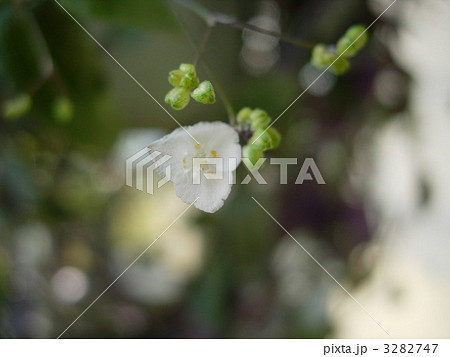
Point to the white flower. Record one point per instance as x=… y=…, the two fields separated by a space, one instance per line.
x=215 y=140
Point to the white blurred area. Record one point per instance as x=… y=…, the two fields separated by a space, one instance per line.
x=137 y=219
x=69 y=285
x=160 y=276
x=260 y=53
x=323 y=83
x=409 y=290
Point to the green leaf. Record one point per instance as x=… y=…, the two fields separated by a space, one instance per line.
x=24 y=57
x=146 y=14
x=94 y=118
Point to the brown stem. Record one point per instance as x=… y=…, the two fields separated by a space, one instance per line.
x=285 y=38
x=212 y=18
x=203 y=44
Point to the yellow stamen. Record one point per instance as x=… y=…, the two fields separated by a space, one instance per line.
x=197 y=146
x=213 y=153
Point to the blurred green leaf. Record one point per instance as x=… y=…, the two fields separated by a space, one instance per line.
x=24 y=56
x=135 y=13
x=80 y=76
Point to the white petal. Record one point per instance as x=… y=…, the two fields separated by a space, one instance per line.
x=177 y=144
x=213 y=194
x=221 y=138
x=216 y=139
x=210 y=194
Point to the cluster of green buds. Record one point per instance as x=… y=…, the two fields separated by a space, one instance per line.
x=264 y=138
x=354 y=39
x=186 y=85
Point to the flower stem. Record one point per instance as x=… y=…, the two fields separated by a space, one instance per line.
x=212 y=18
x=200 y=54
x=282 y=37
x=199 y=9
x=202 y=47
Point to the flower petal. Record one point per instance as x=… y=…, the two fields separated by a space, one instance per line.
x=215 y=139
x=210 y=193
x=219 y=137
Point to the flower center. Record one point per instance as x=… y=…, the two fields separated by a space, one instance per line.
x=205 y=164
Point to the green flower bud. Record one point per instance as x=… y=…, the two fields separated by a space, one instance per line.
x=204 y=93
x=252 y=153
x=175 y=77
x=185 y=76
x=321 y=56
x=189 y=79
x=178 y=98
x=63 y=110
x=186 y=67
x=259 y=119
x=341 y=66
x=17 y=107
x=266 y=139
x=244 y=115
x=345 y=42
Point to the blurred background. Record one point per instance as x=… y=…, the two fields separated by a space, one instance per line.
x=379 y=135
